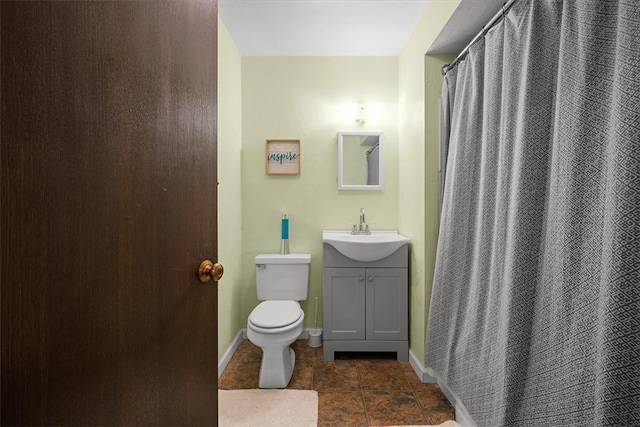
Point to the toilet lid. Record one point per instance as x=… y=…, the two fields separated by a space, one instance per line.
x=275 y=314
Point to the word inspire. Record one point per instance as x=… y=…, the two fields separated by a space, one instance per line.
x=283 y=157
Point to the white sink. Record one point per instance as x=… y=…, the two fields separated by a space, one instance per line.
x=365 y=247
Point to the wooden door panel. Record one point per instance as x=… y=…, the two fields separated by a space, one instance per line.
x=108 y=206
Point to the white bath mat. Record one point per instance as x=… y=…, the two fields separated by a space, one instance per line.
x=267 y=408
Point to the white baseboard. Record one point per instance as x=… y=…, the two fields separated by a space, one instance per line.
x=228 y=354
x=420 y=370
x=428 y=375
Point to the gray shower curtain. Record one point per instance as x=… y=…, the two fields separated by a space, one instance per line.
x=535 y=310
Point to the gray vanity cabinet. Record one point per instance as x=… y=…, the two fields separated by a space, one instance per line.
x=365 y=304
x=344 y=303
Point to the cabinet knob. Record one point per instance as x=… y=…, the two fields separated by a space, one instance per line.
x=360 y=278
x=370 y=278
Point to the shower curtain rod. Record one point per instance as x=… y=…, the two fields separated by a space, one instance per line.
x=505 y=7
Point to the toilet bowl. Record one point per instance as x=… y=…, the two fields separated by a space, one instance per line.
x=273 y=326
x=276 y=322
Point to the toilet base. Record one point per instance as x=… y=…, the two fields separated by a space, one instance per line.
x=278 y=358
x=276 y=367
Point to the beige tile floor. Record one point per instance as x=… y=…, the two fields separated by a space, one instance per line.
x=356 y=389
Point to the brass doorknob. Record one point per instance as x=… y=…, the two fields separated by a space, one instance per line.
x=208 y=270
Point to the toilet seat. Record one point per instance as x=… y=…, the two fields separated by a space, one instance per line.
x=275 y=314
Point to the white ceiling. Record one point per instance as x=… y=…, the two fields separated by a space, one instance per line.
x=343 y=27
x=321 y=27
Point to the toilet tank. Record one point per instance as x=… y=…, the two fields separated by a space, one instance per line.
x=282 y=277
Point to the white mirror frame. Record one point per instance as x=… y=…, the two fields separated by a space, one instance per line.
x=341 y=184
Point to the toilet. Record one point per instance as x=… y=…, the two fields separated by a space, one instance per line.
x=281 y=281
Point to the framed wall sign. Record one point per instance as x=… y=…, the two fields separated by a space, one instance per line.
x=283 y=157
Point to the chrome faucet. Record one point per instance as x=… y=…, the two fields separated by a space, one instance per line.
x=364 y=227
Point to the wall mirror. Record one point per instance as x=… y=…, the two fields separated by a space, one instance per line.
x=360 y=161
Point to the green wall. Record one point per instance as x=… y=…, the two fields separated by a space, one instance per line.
x=308 y=98
x=419 y=92
x=311 y=99
x=229 y=189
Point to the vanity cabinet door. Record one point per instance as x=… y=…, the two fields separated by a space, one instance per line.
x=387 y=302
x=344 y=303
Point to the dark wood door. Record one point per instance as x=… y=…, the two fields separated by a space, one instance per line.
x=108 y=206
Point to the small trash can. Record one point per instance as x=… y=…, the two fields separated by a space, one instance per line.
x=315 y=337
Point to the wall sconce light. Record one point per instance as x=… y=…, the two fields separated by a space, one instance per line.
x=362 y=113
